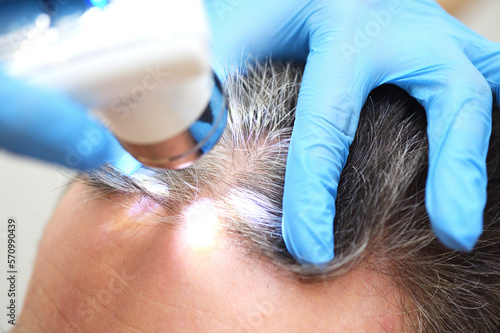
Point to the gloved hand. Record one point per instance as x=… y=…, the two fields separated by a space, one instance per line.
x=352 y=47
x=54 y=128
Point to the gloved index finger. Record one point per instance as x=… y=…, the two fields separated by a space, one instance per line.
x=329 y=104
x=459 y=125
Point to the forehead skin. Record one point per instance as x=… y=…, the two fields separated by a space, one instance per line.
x=110 y=266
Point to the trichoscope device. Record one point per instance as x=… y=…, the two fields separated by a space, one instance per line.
x=142 y=67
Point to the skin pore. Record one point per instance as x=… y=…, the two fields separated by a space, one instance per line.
x=106 y=263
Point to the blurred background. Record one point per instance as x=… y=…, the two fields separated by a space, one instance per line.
x=30 y=190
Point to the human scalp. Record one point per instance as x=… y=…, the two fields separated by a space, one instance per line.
x=380 y=207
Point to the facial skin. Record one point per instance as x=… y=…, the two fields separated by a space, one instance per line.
x=106 y=264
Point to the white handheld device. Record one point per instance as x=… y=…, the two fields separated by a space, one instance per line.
x=142 y=67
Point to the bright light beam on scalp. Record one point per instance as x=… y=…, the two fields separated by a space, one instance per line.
x=202 y=224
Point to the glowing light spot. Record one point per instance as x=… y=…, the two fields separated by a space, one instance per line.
x=201 y=224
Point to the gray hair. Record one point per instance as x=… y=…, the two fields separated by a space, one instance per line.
x=381 y=216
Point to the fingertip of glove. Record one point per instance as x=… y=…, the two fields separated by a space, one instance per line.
x=464 y=242
x=305 y=249
x=460 y=234
x=455 y=201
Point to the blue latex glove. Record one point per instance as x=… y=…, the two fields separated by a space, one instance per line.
x=54 y=128
x=352 y=47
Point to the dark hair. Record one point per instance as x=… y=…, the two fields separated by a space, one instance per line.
x=381 y=217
